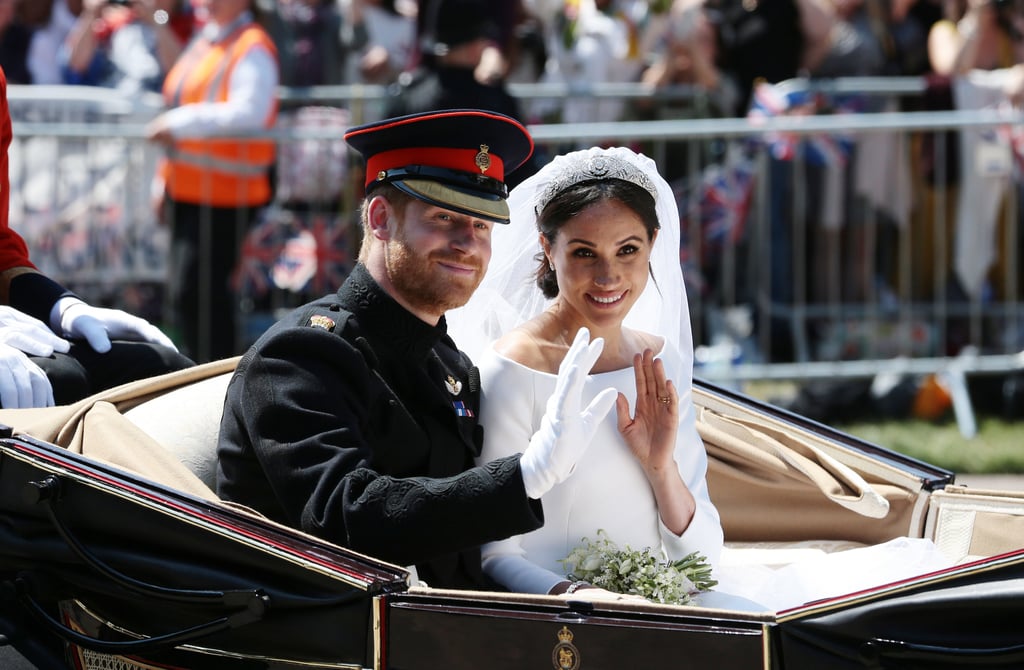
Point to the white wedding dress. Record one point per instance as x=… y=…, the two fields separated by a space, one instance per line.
x=608 y=489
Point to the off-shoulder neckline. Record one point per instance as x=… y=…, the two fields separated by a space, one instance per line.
x=523 y=366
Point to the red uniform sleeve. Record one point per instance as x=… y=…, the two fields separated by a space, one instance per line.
x=13 y=251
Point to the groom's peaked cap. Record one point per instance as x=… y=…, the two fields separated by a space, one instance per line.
x=456 y=159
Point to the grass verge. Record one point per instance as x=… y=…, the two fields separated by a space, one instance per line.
x=998 y=447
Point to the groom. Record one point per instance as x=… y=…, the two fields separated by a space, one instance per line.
x=355 y=418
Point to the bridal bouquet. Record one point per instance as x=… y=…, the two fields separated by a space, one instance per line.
x=603 y=564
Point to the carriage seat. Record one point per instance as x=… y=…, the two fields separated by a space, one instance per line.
x=186 y=422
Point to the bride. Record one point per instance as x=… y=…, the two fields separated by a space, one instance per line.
x=605 y=259
x=594 y=244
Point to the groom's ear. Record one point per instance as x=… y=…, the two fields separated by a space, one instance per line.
x=381 y=218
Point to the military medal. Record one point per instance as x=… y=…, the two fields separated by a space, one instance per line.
x=320 y=321
x=453 y=385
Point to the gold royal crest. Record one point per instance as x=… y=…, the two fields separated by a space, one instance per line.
x=321 y=321
x=483 y=159
x=565 y=656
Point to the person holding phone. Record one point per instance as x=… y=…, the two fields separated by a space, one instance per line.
x=129 y=45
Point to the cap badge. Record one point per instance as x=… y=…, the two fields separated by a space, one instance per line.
x=483 y=159
x=382 y=175
x=453 y=385
x=321 y=321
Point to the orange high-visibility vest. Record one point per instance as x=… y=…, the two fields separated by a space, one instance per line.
x=220 y=173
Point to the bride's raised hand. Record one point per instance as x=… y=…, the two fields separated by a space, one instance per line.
x=651 y=431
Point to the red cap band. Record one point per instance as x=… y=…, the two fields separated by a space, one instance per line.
x=473 y=161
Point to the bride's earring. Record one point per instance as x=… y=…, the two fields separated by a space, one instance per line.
x=551 y=266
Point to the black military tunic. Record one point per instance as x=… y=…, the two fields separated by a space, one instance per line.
x=356 y=421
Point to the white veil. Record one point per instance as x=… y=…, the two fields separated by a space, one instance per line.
x=509 y=295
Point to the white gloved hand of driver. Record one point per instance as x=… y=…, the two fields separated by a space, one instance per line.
x=565 y=431
x=22 y=382
x=98 y=325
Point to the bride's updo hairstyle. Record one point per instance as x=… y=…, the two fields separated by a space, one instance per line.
x=571 y=201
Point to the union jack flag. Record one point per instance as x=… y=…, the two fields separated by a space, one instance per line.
x=260 y=249
x=317 y=256
x=726 y=200
x=301 y=252
x=715 y=207
x=774 y=100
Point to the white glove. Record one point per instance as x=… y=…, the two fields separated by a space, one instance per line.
x=22 y=382
x=98 y=325
x=29 y=334
x=565 y=432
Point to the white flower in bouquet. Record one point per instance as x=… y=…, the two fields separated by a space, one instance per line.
x=601 y=563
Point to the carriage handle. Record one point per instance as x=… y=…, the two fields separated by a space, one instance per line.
x=250 y=605
x=23 y=588
x=47 y=493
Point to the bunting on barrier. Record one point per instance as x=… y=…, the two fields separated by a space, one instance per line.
x=775 y=100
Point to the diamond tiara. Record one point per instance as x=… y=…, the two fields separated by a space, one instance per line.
x=593 y=168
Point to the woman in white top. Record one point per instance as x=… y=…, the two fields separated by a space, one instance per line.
x=606 y=259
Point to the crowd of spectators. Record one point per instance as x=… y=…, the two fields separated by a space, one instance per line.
x=704 y=58
x=708 y=43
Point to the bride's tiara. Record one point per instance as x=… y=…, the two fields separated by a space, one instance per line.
x=593 y=168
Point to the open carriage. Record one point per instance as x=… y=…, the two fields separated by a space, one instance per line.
x=113 y=557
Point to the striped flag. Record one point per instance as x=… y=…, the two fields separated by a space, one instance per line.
x=782 y=99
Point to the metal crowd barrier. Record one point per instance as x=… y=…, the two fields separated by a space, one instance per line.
x=783 y=281
x=80 y=196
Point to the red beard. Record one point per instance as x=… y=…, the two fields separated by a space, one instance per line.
x=424 y=285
